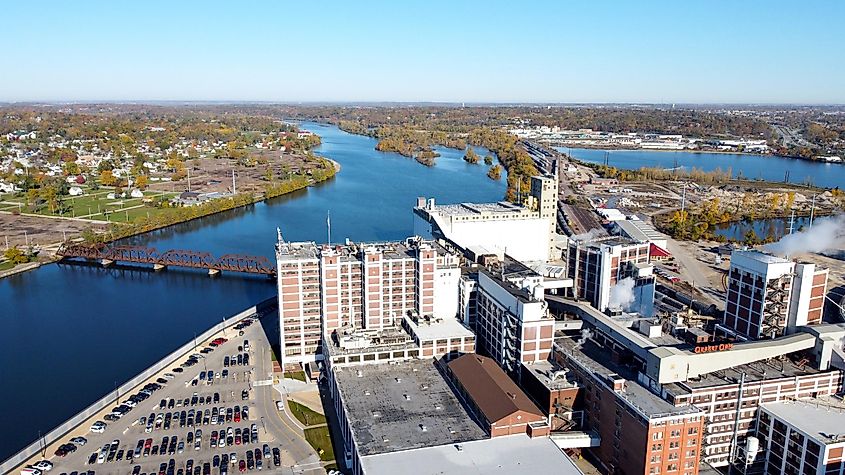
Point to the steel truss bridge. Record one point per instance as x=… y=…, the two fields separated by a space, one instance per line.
x=174 y=257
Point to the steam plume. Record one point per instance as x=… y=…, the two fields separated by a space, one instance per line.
x=827 y=234
x=622 y=294
x=588 y=236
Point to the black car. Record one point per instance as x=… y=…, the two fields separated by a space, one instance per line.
x=92 y=459
x=277 y=459
x=177 y=370
x=244 y=395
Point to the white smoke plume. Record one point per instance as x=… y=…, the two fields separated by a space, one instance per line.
x=588 y=236
x=622 y=294
x=826 y=234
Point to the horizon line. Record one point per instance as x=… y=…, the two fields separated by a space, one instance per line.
x=409 y=102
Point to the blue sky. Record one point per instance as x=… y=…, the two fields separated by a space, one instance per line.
x=456 y=51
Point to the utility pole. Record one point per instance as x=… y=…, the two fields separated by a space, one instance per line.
x=813 y=210
x=329 y=226
x=684 y=198
x=189 y=178
x=733 y=447
x=792 y=222
x=234 y=190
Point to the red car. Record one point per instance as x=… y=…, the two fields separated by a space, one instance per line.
x=242 y=466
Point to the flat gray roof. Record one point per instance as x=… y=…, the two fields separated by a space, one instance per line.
x=402 y=406
x=822 y=419
x=512 y=455
x=599 y=361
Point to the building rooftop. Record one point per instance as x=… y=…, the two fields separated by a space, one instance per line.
x=640 y=230
x=551 y=375
x=760 y=257
x=512 y=455
x=406 y=249
x=493 y=392
x=402 y=406
x=468 y=209
x=785 y=367
x=591 y=240
x=357 y=341
x=822 y=419
x=295 y=250
x=438 y=329
x=599 y=361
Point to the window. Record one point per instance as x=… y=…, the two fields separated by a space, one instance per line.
x=657 y=436
x=692 y=431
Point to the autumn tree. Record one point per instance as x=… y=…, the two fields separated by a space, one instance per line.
x=471 y=157
x=107 y=178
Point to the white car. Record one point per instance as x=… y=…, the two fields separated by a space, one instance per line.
x=44 y=465
x=30 y=471
x=80 y=441
x=98 y=427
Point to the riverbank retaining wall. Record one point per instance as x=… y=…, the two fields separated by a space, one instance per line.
x=109 y=399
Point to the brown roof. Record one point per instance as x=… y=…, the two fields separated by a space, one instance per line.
x=495 y=394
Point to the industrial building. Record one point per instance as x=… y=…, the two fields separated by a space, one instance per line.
x=768 y=296
x=524 y=232
x=495 y=399
x=512 y=323
x=597 y=264
x=368 y=287
x=404 y=414
x=802 y=437
x=663 y=370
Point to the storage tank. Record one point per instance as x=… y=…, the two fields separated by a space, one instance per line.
x=752 y=448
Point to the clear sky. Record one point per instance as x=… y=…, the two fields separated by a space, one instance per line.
x=402 y=50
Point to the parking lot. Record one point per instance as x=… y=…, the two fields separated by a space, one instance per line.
x=200 y=416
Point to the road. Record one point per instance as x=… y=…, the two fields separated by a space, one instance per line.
x=693 y=271
x=303 y=457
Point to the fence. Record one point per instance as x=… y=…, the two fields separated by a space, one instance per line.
x=109 y=399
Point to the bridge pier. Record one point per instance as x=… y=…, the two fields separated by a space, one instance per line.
x=213 y=272
x=106 y=262
x=158 y=267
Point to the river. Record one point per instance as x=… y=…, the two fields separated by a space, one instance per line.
x=72 y=333
x=751 y=166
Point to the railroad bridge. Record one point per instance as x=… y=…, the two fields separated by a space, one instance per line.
x=108 y=254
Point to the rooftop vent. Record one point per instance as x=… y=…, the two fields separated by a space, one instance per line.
x=407 y=397
x=366 y=392
x=359 y=373
x=423 y=428
x=398 y=380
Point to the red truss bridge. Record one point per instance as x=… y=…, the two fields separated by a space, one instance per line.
x=107 y=255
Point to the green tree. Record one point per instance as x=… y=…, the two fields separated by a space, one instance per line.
x=488 y=160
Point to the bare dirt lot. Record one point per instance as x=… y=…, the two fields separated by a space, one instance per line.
x=215 y=174
x=43 y=231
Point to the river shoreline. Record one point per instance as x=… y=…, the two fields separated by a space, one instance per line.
x=751 y=154
x=254 y=200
